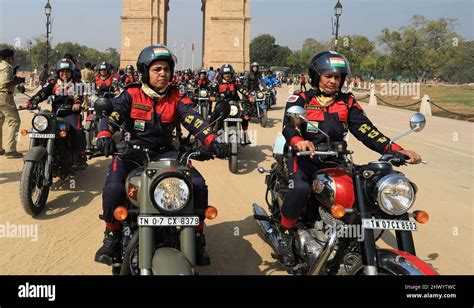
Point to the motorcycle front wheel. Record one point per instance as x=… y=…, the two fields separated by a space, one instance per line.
x=233 y=159
x=33 y=194
x=264 y=118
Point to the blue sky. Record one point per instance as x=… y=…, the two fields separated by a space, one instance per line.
x=96 y=23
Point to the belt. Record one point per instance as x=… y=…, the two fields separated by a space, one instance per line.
x=6 y=91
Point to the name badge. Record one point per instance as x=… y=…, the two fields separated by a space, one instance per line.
x=139 y=125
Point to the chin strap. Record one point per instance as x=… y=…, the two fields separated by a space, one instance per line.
x=152 y=93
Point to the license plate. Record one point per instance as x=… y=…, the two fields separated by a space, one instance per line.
x=389 y=224
x=167 y=221
x=233 y=120
x=45 y=136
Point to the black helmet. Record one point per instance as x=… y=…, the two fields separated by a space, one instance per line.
x=254 y=64
x=328 y=62
x=65 y=64
x=270 y=72
x=129 y=67
x=155 y=53
x=227 y=68
x=104 y=66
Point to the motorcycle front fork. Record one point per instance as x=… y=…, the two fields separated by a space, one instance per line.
x=368 y=247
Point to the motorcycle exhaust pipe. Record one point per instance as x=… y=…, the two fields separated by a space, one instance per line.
x=317 y=267
x=266 y=227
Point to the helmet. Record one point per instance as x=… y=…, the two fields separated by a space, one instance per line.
x=328 y=62
x=104 y=66
x=202 y=71
x=254 y=64
x=65 y=64
x=154 y=53
x=129 y=67
x=269 y=73
x=227 y=68
x=188 y=71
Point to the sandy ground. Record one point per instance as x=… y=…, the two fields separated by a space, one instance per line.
x=69 y=232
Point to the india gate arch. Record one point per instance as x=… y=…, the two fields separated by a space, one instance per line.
x=225 y=30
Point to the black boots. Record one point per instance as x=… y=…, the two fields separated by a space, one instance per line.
x=106 y=253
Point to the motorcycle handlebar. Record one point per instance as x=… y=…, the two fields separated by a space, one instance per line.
x=323 y=149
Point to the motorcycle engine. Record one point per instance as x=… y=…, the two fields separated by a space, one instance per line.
x=310 y=242
x=307 y=247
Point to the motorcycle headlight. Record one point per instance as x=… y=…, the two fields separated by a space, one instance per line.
x=234 y=110
x=203 y=93
x=259 y=95
x=40 y=123
x=171 y=194
x=395 y=194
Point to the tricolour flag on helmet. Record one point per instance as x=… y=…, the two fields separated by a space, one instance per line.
x=160 y=51
x=337 y=62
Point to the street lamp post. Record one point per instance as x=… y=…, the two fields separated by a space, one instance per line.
x=47 y=11
x=338 y=13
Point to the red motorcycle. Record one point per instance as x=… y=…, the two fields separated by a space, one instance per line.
x=349 y=209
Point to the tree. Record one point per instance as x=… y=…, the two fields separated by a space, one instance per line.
x=360 y=52
x=265 y=51
x=420 y=49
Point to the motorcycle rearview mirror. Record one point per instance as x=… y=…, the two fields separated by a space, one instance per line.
x=296 y=115
x=417 y=122
x=103 y=106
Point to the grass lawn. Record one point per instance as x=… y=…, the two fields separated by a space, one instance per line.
x=458 y=99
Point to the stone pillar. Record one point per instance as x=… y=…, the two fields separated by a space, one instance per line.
x=425 y=107
x=372 y=98
x=144 y=22
x=226 y=33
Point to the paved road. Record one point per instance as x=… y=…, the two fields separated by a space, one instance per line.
x=69 y=232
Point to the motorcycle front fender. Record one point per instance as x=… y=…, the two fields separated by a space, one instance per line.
x=399 y=262
x=170 y=261
x=37 y=153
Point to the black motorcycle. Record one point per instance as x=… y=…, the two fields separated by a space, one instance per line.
x=203 y=102
x=260 y=108
x=233 y=134
x=349 y=203
x=50 y=155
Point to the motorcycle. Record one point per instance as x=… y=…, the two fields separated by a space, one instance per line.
x=270 y=96
x=91 y=127
x=158 y=219
x=203 y=102
x=260 y=107
x=50 y=155
x=349 y=203
x=233 y=134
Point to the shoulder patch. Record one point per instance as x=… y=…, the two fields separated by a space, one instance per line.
x=293 y=98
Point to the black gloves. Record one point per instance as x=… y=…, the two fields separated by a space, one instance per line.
x=105 y=145
x=220 y=149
